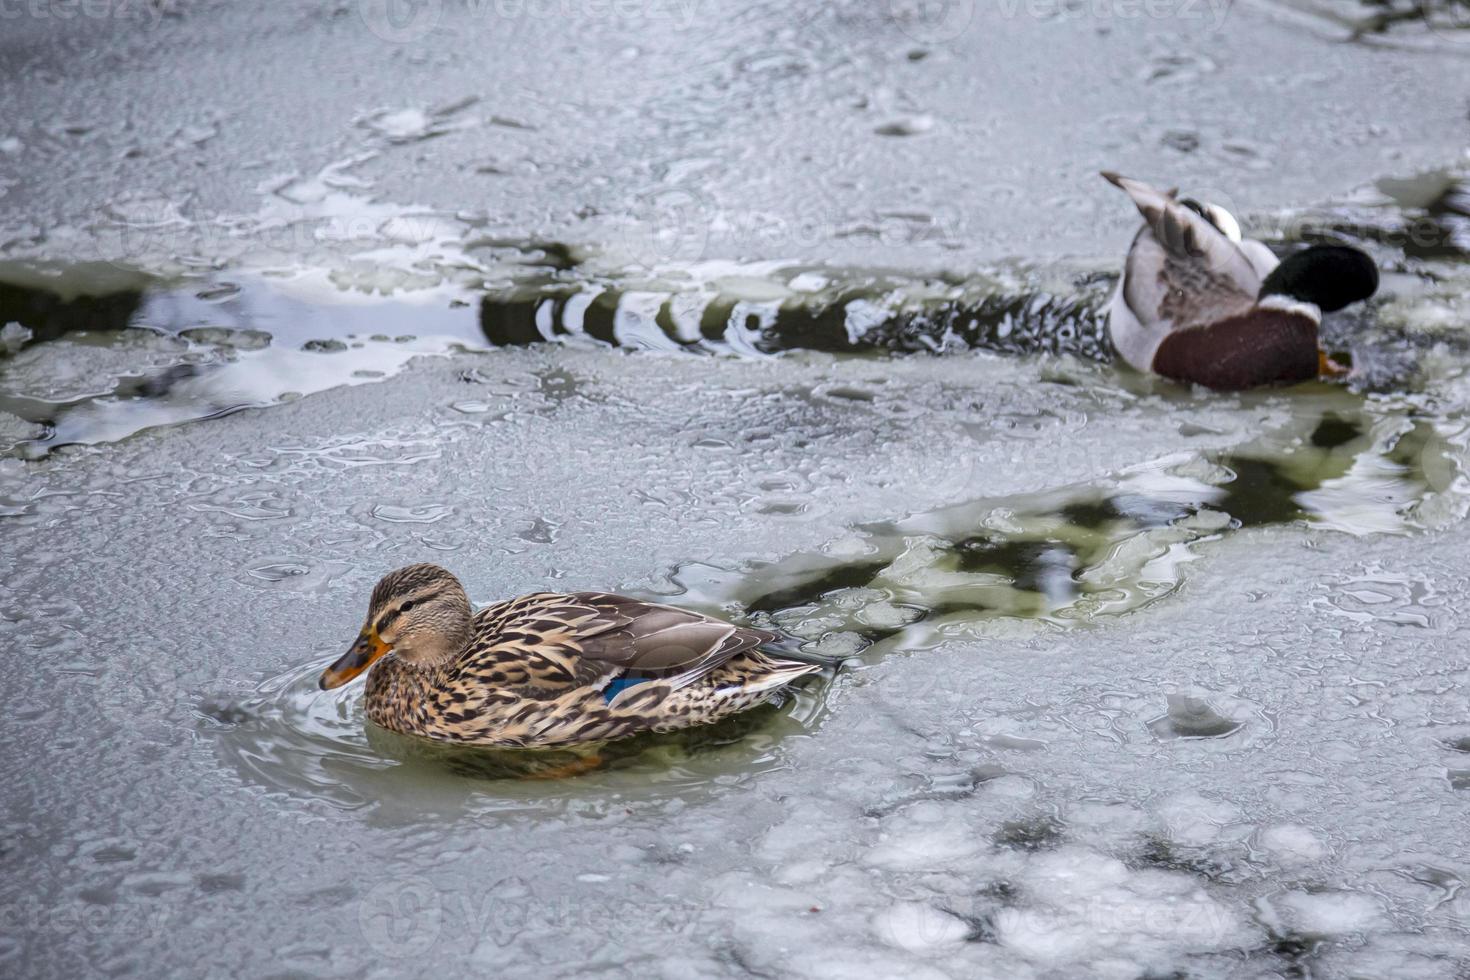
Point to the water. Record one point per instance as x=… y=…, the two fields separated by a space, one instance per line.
x=1137 y=681
x=124 y=351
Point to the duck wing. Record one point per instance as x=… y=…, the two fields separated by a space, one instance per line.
x=546 y=643
x=1182 y=270
x=653 y=639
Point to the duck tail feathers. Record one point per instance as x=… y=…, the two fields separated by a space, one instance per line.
x=788 y=650
x=1182 y=231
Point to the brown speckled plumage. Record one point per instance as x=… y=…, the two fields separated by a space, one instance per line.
x=552 y=669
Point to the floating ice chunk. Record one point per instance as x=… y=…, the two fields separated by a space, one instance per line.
x=88 y=364
x=862 y=315
x=741 y=891
x=1205 y=521
x=768 y=921
x=1292 y=843
x=842 y=644
x=799 y=835
x=401 y=125
x=1121 y=567
x=887 y=615
x=302 y=190
x=926 y=837
x=931 y=850
x=13 y=336
x=1195 y=819
x=801 y=872
x=1014 y=743
x=1086 y=907
x=849 y=546
x=1328 y=913
x=1117 y=819
x=1202 y=470
x=917 y=927
x=1011 y=787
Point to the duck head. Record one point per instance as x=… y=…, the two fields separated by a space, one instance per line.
x=419 y=613
x=1328 y=277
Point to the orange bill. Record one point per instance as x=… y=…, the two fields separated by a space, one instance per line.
x=1328 y=368
x=364 y=653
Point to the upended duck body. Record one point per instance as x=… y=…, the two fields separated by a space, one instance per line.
x=1198 y=303
x=548 y=668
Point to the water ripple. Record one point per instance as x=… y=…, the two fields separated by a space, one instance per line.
x=306 y=745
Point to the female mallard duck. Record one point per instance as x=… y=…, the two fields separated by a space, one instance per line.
x=550 y=669
x=1200 y=305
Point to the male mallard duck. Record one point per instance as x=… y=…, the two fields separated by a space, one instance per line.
x=1200 y=305
x=550 y=669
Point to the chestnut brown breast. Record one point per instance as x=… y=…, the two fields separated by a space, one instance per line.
x=1261 y=347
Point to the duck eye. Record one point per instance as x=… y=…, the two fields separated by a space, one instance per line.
x=407 y=606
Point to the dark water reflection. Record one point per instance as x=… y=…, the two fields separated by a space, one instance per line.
x=842 y=311
x=1072 y=555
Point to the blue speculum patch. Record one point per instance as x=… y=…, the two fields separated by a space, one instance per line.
x=619 y=685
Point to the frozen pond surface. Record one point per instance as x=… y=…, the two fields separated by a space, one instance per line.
x=1256 y=765
x=1141 y=682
